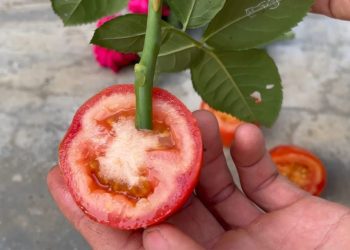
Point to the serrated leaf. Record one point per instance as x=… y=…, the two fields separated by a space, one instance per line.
x=245 y=84
x=177 y=53
x=290 y=35
x=195 y=13
x=125 y=33
x=252 y=23
x=73 y=12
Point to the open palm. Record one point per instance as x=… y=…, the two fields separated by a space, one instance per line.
x=271 y=213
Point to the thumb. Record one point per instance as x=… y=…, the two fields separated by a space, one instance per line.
x=167 y=237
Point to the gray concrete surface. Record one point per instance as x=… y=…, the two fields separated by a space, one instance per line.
x=47 y=71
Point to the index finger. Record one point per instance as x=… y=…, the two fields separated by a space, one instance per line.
x=216 y=188
x=258 y=174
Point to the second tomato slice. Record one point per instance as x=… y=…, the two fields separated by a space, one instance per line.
x=227 y=124
x=301 y=167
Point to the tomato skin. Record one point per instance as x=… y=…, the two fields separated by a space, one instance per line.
x=185 y=183
x=291 y=154
x=227 y=124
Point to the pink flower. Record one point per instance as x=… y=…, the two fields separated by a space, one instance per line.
x=112 y=59
x=105 y=19
x=141 y=7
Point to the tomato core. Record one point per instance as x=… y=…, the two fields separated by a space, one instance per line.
x=297 y=173
x=145 y=184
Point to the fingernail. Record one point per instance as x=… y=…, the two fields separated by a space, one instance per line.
x=153 y=239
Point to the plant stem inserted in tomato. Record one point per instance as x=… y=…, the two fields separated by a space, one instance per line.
x=144 y=71
x=129 y=178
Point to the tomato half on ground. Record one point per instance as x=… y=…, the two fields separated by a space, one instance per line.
x=301 y=167
x=227 y=124
x=125 y=177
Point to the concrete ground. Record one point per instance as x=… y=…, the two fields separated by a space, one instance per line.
x=47 y=71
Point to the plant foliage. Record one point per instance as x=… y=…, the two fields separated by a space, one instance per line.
x=227 y=71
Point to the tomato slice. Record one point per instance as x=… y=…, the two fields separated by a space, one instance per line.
x=227 y=124
x=125 y=177
x=301 y=167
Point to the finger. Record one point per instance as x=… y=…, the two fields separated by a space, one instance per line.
x=97 y=235
x=258 y=174
x=198 y=223
x=333 y=8
x=216 y=187
x=240 y=239
x=167 y=237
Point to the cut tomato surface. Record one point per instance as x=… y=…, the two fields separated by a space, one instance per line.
x=125 y=177
x=301 y=167
x=227 y=124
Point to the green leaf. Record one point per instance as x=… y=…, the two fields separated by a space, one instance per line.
x=178 y=52
x=252 y=23
x=127 y=33
x=233 y=81
x=124 y=34
x=195 y=13
x=73 y=12
x=290 y=35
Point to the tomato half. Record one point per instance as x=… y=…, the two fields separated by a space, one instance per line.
x=227 y=124
x=301 y=167
x=125 y=177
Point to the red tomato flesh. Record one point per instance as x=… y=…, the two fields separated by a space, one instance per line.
x=301 y=167
x=227 y=124
x=125 y=177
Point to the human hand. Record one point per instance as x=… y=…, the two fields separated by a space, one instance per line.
x=272 y=213
x=339 y=9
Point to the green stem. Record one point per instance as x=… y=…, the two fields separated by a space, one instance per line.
x=144 y=71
